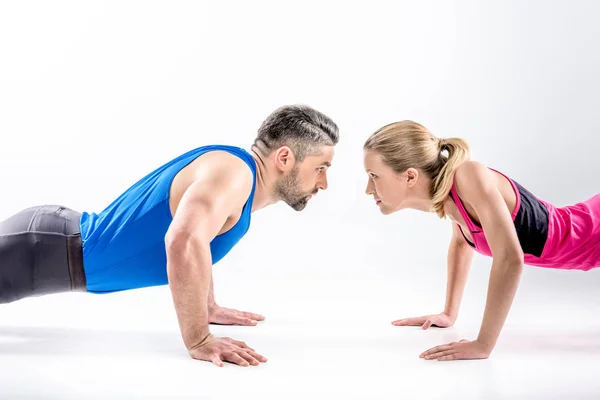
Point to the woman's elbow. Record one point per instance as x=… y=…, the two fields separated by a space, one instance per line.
x=513 y=260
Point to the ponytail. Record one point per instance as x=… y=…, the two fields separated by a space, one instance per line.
x=458 y=152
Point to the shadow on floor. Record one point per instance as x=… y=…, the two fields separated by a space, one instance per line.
x=546 y=340
x=53 y=341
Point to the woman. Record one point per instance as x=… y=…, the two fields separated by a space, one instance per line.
x=408 y=167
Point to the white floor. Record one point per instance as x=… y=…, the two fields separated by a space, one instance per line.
x=324 y=339
x=84 y=83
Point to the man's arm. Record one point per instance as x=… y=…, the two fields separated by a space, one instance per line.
x=211 y=294
x=219 y=189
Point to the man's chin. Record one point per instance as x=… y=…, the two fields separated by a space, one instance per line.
x=300 y=205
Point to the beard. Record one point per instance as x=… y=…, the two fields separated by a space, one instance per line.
x=289 y=190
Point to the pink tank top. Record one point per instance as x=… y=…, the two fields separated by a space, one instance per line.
x=552 y=237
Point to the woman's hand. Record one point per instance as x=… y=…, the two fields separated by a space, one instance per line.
x=462 y=350
x=441 y=320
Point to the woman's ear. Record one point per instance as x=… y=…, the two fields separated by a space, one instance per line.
x=412 y=176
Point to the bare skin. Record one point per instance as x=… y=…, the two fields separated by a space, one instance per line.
x=489 y=199
x=206 y=200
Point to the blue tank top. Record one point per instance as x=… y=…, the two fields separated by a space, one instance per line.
x=124 y=245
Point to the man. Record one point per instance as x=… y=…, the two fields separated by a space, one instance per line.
x=172 y=225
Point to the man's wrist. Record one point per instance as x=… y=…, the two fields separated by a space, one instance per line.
x=204 y=339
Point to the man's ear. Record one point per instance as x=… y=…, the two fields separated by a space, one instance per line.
x=284 y=158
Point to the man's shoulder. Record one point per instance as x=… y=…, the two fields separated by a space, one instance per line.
x=217 y=174
x=227 y=167
x=227 y=156
x=227 y=160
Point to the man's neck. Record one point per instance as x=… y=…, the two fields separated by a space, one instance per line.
x=263 y=194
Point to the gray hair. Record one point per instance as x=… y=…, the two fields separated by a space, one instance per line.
x=300 y=127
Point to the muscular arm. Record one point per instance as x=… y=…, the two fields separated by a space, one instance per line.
x=211 y=293
x=478 y=188
x=460 y=256
x=204 y=208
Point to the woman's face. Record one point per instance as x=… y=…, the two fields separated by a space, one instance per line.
x=388 y=187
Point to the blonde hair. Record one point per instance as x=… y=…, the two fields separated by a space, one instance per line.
x=407 y=144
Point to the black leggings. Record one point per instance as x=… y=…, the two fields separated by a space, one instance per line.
x=40 y=253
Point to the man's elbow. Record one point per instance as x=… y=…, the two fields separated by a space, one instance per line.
x=181 y=245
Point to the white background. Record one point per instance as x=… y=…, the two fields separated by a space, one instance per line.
x=93 y=95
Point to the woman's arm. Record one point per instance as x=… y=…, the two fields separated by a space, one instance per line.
x=460 y=257
x=478 y=188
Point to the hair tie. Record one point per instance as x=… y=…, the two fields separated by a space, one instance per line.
x=443 y=144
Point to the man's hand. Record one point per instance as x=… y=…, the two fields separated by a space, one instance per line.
x=228 y=316
x=217 y=350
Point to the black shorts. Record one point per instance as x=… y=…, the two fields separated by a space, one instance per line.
x=40 y=253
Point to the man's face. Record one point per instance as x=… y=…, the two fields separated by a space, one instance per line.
x=305 y=179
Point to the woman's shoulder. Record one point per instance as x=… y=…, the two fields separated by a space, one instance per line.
x=472 y=174
x=474 y=181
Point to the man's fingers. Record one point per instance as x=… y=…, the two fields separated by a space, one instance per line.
x=238 y=343
x=256 y=317
x=235 y=358
x=234 y=319
x=248 y=357
x=215 y=359
x=257 y=356
x=227 y=350
x=238 y=320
